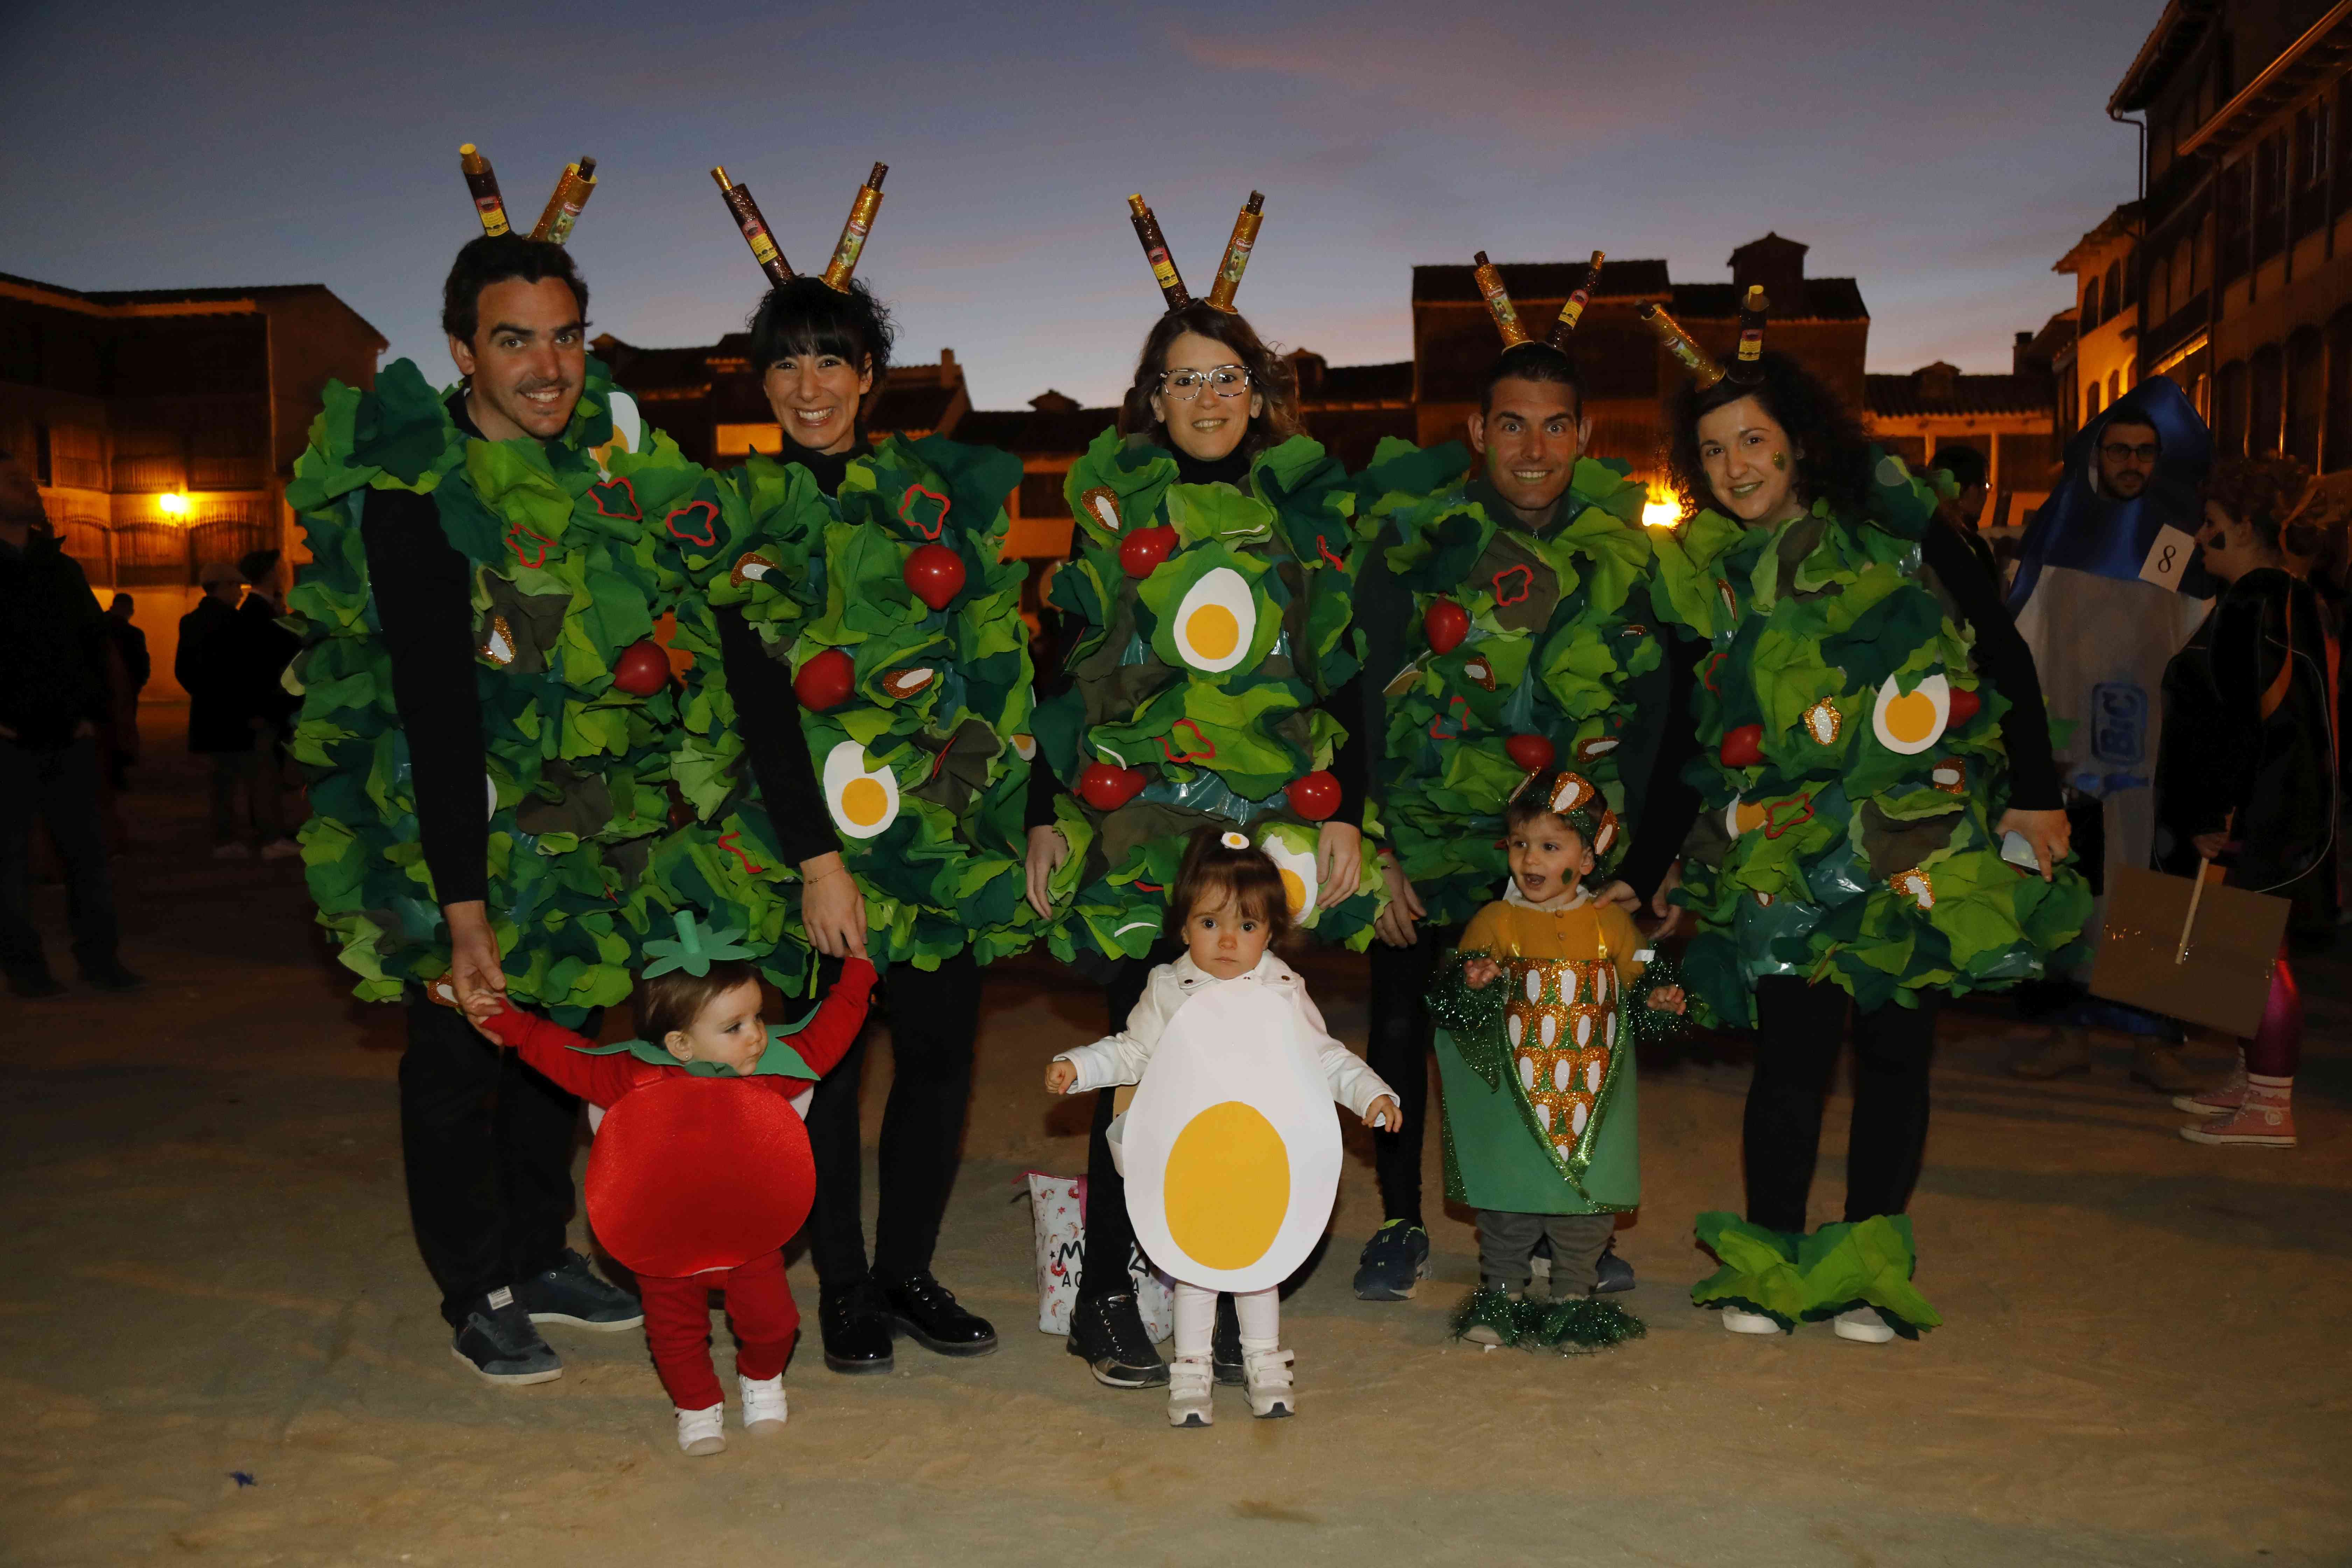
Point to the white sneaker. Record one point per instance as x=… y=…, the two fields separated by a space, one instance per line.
x=763 y=1405
x=1266 y=1377
x=1188 y=1391
x=1862 y=1325
x=1740 y=1323
x=701 y=1433
x=280 y=850
x=234 y=850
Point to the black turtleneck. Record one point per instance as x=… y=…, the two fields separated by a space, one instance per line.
x=768 y=712
x=1351 y=765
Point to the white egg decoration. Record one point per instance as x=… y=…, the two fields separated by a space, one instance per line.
x=1298 y=868
x=1911 y=722
x=862 y=800
x=1216 y=621
x=1232 y=1145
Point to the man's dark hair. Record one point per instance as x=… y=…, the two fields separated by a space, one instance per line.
x=2135 y=420
x=1963 y=462
x=806 y=316
x=120 y=602
x=494 y=258
x=1831 y=448
x=1531 y=362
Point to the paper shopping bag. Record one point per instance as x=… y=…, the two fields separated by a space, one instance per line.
x=2221 y=980
x=1059 y=1205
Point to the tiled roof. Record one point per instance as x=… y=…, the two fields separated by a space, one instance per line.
x=1826 y=300
x=1540 y=280
x=1905 y=397
x=916 y=407
x=187 y=296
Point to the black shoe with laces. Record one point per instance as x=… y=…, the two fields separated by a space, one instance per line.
x=1613 y=1273
x=571 y=1293
x=926 y=1311
x=497 y=1341
x=1106 y=1332
x=1225 y=1344
x=855 y=1329
x=1392 y=1262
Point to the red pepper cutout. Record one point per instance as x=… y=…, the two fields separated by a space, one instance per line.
x=1207 y=753
x=628 y=493
x=728 y=843
x=515 y=535
x=1149 y=887
x=1707 y=675
x=1461 y=721
x=709 y=522
x=1774 y=826
x=1325 y=551
x=1526 y=577
x=906 y=511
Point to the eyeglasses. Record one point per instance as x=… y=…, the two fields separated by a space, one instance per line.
x=2117 y=452
x=1225 y=379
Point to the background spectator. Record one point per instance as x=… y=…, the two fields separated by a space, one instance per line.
x=270 y=648
x=216 y=668
x=53 y=698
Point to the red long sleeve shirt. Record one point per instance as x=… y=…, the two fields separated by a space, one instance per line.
x=601 y=1080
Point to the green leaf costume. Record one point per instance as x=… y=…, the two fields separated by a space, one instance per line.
x=1557 y=636
x=563 y=580
x=922 y=763
x=1858 y=847
x=1203 y=677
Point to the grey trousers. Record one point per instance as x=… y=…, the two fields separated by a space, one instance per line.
x=1506 y=1240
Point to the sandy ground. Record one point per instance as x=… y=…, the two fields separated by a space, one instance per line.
x=213 y=1278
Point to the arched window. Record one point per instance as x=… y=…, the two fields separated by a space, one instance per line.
x=2116 y=301
x=2266 y=399
x=2090 y=304
x=2306 y=377
x=2229 y=410
x=2091 y=405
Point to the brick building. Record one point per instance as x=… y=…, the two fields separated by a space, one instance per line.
x=162 y=425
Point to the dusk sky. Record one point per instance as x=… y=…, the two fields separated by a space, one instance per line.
x=1943 y=156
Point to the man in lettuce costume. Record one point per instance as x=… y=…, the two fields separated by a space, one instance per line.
x=1505 y=625
x=852 y=752
x=1862 y=726
x=489 y=763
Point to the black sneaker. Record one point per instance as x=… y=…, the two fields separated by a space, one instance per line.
x=1392 y=1262
x=1613 y=1273
x=1225 y=1344
x=569 y=1293
x=34 y=979
x=926 y=1311
x=1107 y=1334
x=112 y=977
x=497 y=1341
x=855 y=1329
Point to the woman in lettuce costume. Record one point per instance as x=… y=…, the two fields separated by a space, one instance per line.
x=1206 y=670
x=1862 y=726
x=858 y=640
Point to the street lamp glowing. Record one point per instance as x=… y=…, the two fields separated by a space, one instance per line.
x=174 y=504
x=1663 y=510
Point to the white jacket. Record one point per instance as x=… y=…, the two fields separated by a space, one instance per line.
x=1121 y=1057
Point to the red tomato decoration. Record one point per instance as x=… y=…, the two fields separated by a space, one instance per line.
x=1445 y=623
x=1532 y=753
x=1146 y=548
x=1106 y=787
x=825 y=681
x=1315 y=795
x=1743 y=747
x=642 y=669
x=934 y=575
x=1961 y=707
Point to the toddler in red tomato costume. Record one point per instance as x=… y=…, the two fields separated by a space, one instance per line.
x=701 y=1171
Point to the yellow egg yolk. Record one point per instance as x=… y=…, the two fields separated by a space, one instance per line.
x=1227 y=1185
x=1910 y=717
x=1213 y=631
x=863 y=801
x=1294 y=888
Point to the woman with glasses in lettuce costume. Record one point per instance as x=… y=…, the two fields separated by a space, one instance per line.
x=1204 y=663
x=1867 y=732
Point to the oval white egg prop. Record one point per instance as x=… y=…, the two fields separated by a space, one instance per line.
x=1911 y=722
x=1232 y=1144
x=1216 y=621
x=862 y=802
x=1298 y=868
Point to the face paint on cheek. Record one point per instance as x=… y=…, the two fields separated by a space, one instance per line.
x=1780 y=461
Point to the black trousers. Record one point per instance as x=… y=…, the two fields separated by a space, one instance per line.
x=1800 y=1034
x=934 y=1018
x=1398 y=1049
x=57 y=785
x=1110 y=1236
x=487 y=1140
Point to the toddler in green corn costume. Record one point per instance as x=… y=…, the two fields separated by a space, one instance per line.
x=1534 y=1053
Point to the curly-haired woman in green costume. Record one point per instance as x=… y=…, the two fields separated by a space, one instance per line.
x=1864 y=728
x=1208 y=441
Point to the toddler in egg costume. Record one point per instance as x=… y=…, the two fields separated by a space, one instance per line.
x=701 y=1171
x=1232 y=1162
x=1536 y=1077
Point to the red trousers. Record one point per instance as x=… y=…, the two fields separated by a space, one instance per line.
x=677 y=1327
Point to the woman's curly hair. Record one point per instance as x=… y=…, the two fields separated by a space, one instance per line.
x=1269 y=376
x=1831 y=448
x=2274 y=497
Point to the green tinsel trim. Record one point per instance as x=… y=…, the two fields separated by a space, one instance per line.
x=1650 y=1027
x=1578 y=1325
x=1474 y=1019
x=1490 y=1307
